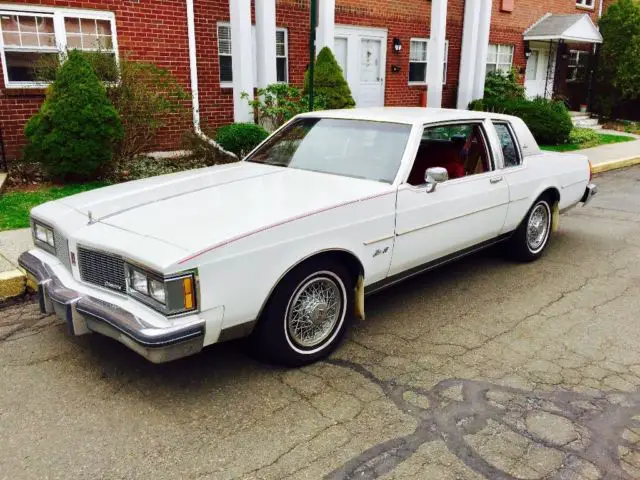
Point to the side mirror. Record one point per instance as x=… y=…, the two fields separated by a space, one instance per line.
x=434 y=176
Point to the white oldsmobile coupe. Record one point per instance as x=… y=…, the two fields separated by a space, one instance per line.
x=283 y=246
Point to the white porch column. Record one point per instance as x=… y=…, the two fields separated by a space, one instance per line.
x=435 y=64
x=326 y=24
x=240 y=12
x=468 y=55
x=266 y=42
x=482 y=48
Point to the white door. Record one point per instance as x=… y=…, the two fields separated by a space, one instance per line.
x=371 y=88
x=361 y=52
x=535 y=77
x=461 y=214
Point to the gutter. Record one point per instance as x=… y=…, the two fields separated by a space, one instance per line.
x=193 y=69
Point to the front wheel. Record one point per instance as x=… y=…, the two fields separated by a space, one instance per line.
x=532 y=237
x=307 y=314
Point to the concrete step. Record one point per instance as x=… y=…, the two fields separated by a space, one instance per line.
x=587 y=122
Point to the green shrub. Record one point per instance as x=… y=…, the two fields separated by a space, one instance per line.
x=240 y=138
x=278 y=103
x=549 y=121
x=329 y=82
x=503 y=85
x=582 y=135
x=618 y=75
x=75 y=131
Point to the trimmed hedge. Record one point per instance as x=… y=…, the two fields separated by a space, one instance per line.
x=329 y=82
x=74 y=133
x=549 y=121
x=241 y=138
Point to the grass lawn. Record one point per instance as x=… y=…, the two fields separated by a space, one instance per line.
x=16 y=204
x=603 y=139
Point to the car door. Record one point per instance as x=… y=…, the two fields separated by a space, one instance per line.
x=460 y=214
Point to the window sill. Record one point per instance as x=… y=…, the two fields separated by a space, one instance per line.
x=226 y=85
x=25 y=91
x=585 y=7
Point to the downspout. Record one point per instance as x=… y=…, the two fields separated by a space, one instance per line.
x=600 y=9
x=193 y=70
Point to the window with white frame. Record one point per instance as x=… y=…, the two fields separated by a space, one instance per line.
x=418 y=54
x=577 y=70
x=585 y=3
x=225 y=55
x=499 y=58
x=33 y=39
x=282 y=67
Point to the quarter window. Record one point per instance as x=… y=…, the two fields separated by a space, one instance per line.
x=225 y=55
x=499 y=58
x=33 y=42
x=508 y=144
x=418 y=61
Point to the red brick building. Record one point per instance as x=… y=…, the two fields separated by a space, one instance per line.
x=215 y=48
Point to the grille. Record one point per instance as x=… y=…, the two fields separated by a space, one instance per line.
x=62 y=248
x=101 y=269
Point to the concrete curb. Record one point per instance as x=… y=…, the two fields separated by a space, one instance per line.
x=615 y=164
x=12 y=284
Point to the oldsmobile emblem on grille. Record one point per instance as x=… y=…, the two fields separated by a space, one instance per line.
x=113 y=286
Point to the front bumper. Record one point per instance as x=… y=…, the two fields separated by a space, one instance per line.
x=590 y=192
x=85 y=314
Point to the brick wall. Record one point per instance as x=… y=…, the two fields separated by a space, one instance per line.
x=156 y=31
x=152 y=30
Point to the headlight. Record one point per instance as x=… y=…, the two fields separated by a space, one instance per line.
x=43 y=236
x=168 y=295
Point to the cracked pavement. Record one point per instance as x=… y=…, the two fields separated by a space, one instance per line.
x=482 y=369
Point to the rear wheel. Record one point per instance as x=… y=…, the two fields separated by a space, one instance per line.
x=307 y=314
x=532 y=237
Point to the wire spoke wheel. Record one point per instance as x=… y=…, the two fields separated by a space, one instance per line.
x=538 y=227
x=314 y=311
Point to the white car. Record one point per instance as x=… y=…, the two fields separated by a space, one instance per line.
x=284 y=246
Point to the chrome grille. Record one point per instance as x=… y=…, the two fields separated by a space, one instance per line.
x=62 y=248
x=101 y=269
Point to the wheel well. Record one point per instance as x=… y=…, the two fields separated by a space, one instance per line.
x=552 y=193
x=348 y=259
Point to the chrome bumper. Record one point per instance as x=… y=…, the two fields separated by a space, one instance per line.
x=85 y=314
x=589 y=193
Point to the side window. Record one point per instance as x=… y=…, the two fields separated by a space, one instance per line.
x=508 y=143
x=459 y=148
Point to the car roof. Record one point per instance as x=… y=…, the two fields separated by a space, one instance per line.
x=407 y=115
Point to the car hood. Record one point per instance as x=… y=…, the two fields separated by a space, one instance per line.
x=196 y=209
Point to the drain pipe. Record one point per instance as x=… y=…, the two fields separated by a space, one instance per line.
x=193 y=69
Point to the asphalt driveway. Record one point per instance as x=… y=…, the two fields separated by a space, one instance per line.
x=482 y=369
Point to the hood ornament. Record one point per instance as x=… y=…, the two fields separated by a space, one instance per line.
x=91 y=222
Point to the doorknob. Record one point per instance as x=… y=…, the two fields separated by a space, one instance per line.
x=495 y=180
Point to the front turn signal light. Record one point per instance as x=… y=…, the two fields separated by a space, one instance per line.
x=187 y=288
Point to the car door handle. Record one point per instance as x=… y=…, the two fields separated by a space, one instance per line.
x=495 y=180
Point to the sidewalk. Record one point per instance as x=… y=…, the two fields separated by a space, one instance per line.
x=613 y=156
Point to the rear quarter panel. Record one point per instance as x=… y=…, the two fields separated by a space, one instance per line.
x=568 y=173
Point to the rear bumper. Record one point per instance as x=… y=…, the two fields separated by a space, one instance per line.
x=590 y=192
x=84 y=314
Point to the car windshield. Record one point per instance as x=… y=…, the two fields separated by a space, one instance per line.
x=352 y=148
